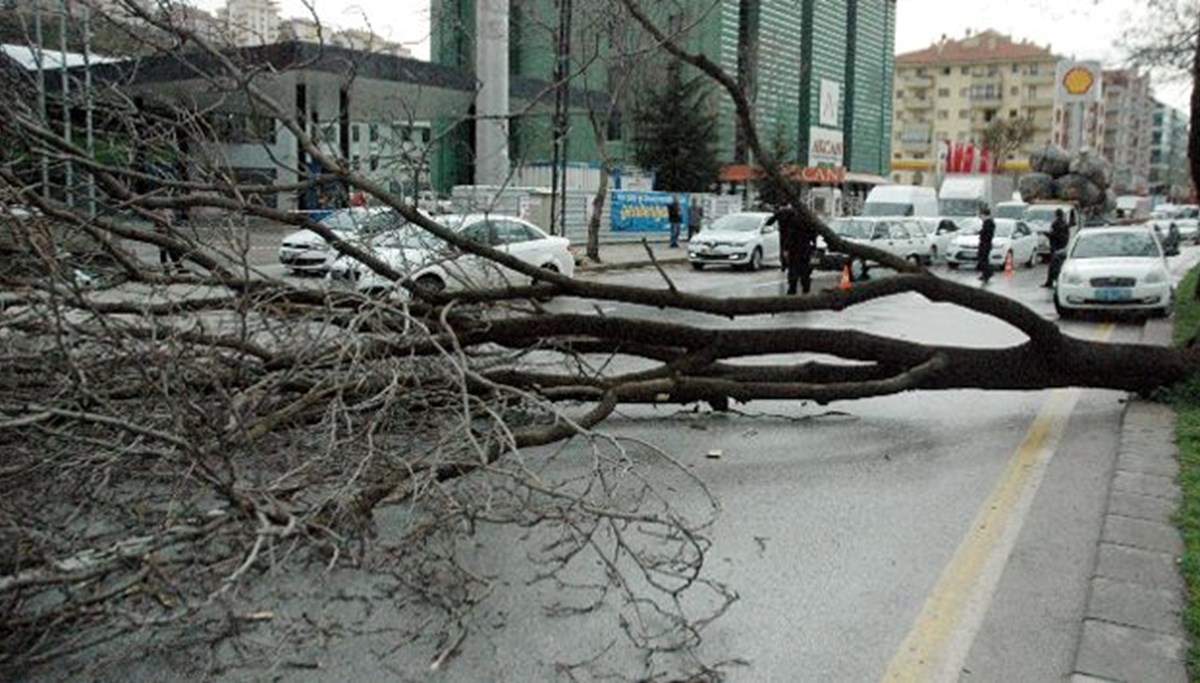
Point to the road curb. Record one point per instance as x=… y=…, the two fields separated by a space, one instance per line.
x=1132 y=622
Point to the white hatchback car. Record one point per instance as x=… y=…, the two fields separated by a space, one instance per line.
x=737 y=239
x=1012 y=237
x=304 y=251
x=1114 y=269
x=902 y=237
x=438 y=266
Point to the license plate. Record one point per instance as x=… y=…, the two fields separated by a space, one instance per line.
x=1114 y=294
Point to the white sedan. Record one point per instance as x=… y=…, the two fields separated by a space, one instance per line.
x=438 y=266
x=736 y=239
x=1012 y=237
x=304 y=251
x=1114 y=269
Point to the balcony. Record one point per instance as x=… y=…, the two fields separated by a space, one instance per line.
x=918 y=105
x=914 y=81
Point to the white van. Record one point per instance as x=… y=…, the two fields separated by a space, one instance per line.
x=901 y=200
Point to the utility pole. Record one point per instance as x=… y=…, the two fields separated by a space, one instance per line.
x=558 y=170
x=69 y=177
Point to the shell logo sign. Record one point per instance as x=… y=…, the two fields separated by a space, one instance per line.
x=1077 y=82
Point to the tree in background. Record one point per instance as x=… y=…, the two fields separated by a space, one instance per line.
x=1170 y=40
x=676 y=133
x=1003 y=137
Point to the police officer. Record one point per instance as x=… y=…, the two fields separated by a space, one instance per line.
x=797 y=242
x=1060 y=234
x=986 y=234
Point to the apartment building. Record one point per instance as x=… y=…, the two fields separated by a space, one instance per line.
x=951 y=90
x=250 y=22
x=1128 y=122
x=1170 y=177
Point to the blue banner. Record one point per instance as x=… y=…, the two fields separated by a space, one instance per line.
x=637 y=211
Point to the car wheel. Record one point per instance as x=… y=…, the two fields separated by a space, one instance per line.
x=1029 y=261
x=933 y=254
x=755 y=260
x=697 y=266
x=430 y=283
x=1063 y=312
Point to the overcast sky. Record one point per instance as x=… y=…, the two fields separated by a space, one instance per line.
x=1084 y=29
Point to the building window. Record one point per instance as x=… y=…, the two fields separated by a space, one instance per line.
x=993 y=70
x=900 y=94
x=943 y=115
x=373 y=132
x=426 y=135
x=965 y=70
x=1033 y=69
x=945 y=71
x=943 y=92
x=988 y=115
x=921 y=71
x=1016 y=68
x=1031 y=93
x=1012 y=113
x=354 y=134
x=964 y=114
x=374 y=162
x=920 y=94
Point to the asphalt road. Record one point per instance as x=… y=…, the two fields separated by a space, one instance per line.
x=925 y=536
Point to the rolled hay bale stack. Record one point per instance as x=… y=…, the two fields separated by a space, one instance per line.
x=1036 y=187
x=1051 y=160
x=1079 y=189
x=1093 y=166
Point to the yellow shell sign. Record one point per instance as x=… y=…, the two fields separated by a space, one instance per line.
x=1078 y=80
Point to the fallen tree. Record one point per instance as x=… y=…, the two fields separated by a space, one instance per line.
x=177 y=443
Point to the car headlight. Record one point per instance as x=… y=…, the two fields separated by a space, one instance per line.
x=1071 y=277
x=1155 y=277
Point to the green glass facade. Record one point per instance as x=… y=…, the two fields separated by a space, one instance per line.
x=779 y=51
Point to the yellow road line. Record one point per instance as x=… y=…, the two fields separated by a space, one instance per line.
x=941 y=637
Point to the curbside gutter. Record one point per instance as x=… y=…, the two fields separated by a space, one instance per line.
x=1132 y=623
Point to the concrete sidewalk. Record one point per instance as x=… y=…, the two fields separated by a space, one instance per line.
x=1133 y=627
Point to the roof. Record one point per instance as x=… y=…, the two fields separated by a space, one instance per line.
x=27 y=57
x=986 y=46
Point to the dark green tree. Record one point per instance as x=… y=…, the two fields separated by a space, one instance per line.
x=1003 y=137
x=676 y=134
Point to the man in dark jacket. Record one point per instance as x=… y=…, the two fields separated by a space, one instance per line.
x=675 y=218
x=1060 y=234
x=986 y=234
x=797 y=241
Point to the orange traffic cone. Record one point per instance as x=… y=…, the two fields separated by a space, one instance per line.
x=845 y=281
x=1008 y=265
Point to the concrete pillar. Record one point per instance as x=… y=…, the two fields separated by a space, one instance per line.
x=491 y=103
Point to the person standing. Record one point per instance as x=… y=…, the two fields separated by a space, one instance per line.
x=1060 y=234
x=986 y=234
x=797 y=242
x=675 y=218
x=695 y=218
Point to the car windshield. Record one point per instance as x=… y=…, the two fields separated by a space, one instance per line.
x=406 y=237
x=364 y=221
x=853 y=228
x=972 y=227
x=1042 y=214
x=958 y=207
x=1115 y=244
x=1010 y=210
x=887 y=209
x=736 y=222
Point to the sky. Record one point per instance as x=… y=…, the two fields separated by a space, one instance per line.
x=1084 y=29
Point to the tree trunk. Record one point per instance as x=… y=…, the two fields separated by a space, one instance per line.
x=593 y=229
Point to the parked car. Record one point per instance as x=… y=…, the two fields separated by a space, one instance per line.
x=1114 y=269
x=1040 y=215
x=1185 y=218
x=437 y=266
x=1010 y=209
x=902 y=237
x=304 y=251
x=1012 y=237
x=736 y=239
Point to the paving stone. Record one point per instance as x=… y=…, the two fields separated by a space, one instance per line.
x=1136 y=505
x=1140 y=533
x=1145 y=567
x=1130 y=604
x=1146 y=484
x=1120 y=653
x=1142 y=463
